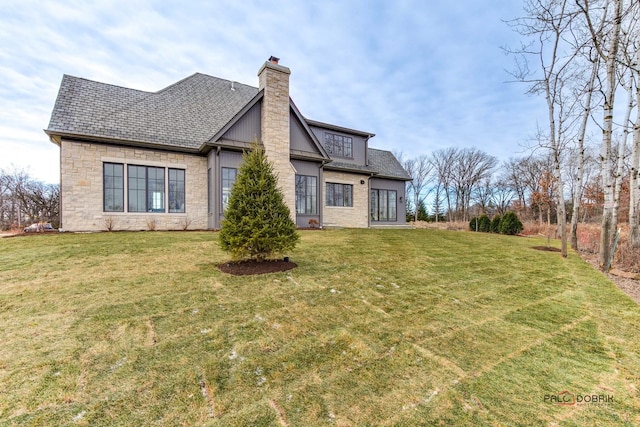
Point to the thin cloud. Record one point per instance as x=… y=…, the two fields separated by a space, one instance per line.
x=420 y=75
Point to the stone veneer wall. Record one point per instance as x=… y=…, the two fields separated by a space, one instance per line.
x=274 y=79
x=353 y=217
x=82 y=188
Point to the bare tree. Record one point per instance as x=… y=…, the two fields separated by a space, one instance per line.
x=443 y=161
x=24 y=199
x=503 y=195
x=419 y=169
x=606 y=41
x=483 y=195
x=549 y=24
x=471 y=168
x=579 y=176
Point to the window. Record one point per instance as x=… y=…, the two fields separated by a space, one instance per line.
x=137 y=179
x=339 y=194
x=229 y=176
x=113 y=178
x=176 y=190
x=338 y=145
x=145 y=188
x=306 y=195
x=383 y=205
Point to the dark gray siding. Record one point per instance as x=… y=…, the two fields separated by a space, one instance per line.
x=299 y=138
x=400 y=188
x=248 y=128
x=309 y=169
x=359 y=146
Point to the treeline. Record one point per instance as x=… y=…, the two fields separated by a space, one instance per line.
x=457 y=184
x=24 y=200
x=582 y=59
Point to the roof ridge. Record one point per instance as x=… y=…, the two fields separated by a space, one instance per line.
x=226 y=80
x=103 y=83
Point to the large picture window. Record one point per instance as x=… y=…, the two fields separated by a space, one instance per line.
x=113 y=178
x=145 y=188
x=338 y=145
x=339 y=194
x=384 y=205
x=229 y=176
x=306 y=195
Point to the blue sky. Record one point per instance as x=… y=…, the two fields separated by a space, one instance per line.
x=421 y=75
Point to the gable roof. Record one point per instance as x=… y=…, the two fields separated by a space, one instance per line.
x=184 y=115
x=187 y=115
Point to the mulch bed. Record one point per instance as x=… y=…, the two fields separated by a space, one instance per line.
x=545 y=248
x=247 y=268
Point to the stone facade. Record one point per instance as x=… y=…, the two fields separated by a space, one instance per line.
x=274 y=80
x=356 y=216
x=82 y=188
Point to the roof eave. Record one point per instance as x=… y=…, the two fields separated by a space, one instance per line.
x=57 y=136
x=339 y=128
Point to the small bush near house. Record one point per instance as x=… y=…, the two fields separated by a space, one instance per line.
x=510 y=224
x=257 y=224
x=495 y=224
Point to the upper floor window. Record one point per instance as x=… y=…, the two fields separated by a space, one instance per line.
x=338 y=145
x=339 y=194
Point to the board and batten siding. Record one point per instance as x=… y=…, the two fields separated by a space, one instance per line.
x=248 y=128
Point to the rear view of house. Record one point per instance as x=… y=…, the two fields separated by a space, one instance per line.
x=130 y=158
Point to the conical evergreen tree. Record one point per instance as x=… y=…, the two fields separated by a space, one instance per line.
x=257 y=223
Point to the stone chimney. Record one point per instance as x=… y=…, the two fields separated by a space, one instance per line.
x=274 y=80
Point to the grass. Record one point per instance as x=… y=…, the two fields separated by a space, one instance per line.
x=375 y=327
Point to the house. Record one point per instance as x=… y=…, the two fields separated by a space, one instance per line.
x=134 y=160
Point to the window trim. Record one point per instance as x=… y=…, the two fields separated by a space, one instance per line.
x=330 y=190
x=165 y=187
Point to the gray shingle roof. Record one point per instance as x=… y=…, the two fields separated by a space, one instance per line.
x=382 y=164
x=185 y=114
x=386 y=165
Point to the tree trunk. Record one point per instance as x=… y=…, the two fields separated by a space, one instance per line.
x=577 y=195
x=634 y=179
x=608 y=186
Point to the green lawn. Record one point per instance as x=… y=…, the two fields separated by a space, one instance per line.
x=375 y=327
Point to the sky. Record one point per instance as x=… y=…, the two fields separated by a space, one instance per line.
x=420 y=74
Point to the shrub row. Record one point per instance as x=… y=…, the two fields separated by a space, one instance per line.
x=509 y=224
